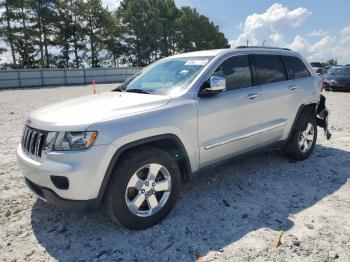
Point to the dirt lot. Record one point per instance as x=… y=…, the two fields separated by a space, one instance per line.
x=232 y=212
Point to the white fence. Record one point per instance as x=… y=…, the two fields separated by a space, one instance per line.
x=51 y=77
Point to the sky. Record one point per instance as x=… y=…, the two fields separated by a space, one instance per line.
x=318 y=29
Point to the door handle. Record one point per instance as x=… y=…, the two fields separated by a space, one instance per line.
x=252 y=96
x=293 y=87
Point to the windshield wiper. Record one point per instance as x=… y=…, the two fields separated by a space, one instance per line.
x=136 y=90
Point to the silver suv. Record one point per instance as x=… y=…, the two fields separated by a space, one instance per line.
x=129 y=150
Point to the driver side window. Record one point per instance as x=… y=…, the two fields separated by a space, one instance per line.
x=236 y=71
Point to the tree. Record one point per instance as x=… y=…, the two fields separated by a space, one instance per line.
x=332 y=62
x=78 y=33
x=167 y=15
x=6 y=30
x=140 y=27
x=197 y=32
x=96 y=17
x=23 y=33
x=72 y=33
x=2 y=50
x=63 y=26
x=43 y=23
x=112 y=38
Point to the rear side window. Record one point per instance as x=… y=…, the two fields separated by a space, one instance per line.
x=269 y=69
x=295 y=67
x=236 y=71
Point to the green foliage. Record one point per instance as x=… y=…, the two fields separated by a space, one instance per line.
x=197 y=32
x=76 y=33
x=332 y=62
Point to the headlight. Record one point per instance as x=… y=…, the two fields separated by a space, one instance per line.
x=332 y=81
x=73 y=140
x=50 y=139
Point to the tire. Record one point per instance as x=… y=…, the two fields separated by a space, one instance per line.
x=128 y=188
x=293 y=149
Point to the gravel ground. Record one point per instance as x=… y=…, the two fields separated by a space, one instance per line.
x=233 y=212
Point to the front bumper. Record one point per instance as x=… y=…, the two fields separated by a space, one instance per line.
x=84 y=170
x=336 y=87
x=51 y=197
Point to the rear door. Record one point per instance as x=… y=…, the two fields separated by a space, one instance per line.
x=284 y=82
x=278 y=95
x=300 y=85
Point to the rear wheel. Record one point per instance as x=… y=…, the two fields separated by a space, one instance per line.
x=143 y=189
x=303 y=139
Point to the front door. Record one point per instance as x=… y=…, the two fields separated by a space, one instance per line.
x=229 y=123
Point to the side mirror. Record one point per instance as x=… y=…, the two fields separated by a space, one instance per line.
x=215 y=85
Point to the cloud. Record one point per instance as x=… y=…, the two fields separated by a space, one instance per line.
x=111 y=4
x=318 y=33
x=277 y=21
x=325 y=47
x=271 y=25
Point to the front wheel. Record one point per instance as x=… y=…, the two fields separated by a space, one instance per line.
x=143 y=189
x=302 y=141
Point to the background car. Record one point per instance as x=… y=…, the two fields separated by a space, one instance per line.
x=316 y=64
x=322 y=72
x=338 y=79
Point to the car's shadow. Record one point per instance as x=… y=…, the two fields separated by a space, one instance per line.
x=215 y=209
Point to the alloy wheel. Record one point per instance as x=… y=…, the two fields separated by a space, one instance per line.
x=306 y=138
x=148 y=190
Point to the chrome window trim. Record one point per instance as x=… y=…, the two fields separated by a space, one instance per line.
x=230 y=140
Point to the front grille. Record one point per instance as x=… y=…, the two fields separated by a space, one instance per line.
x=33 y=141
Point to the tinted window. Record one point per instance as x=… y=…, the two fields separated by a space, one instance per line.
x=269 y=69
x=316 y=64
x=296 y=68
x=236 y=71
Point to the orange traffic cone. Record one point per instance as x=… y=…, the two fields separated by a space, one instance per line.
x=94 y=87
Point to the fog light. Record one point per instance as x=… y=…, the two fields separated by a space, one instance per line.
x=60 y=182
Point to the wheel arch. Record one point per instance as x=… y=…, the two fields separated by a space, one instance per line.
x=168 y=142
x=302 y=113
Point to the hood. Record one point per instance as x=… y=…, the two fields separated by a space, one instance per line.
x=78 y=113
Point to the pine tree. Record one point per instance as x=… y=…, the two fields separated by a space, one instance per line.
x=72 y=33
x=96 y=17
x=112 y=38
x=197 y=32
x=140 y=31
x=23 y=40
x=7 y=33
x=43 y=25
x=167 y=15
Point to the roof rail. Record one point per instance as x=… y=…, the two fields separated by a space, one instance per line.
x=263 y=47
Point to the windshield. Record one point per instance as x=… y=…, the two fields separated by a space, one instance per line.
x=166 y=77
x=316 y=64
x=339 y=71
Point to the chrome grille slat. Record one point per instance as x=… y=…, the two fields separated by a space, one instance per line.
x=37 y=144
x=28 y=140
x=33 y=141
x=26 y=131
